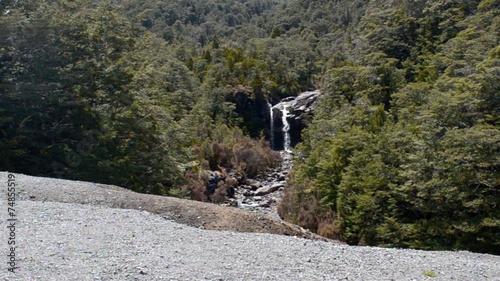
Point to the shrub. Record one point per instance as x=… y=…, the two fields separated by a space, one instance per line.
x=196 y=186
x=295 y=206
x=221 y=193
x=299 y=206
x=228 y=148
x=330 y=227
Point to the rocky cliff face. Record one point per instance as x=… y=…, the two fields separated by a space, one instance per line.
x=254 y=111
x=288 y=119
x=260 y=116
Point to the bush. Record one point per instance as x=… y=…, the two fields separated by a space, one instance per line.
x=229 y=149
x=197 y=186
x=253 y=157
x=198 y=183
x=299 y=206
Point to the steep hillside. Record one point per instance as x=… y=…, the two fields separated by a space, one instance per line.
x=405 y=147
x=161 y=96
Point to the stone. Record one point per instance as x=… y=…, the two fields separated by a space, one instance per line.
x=247 y=193
x=265 y=205
x=213 y=182
x=287 y=99
x=257 y=198
x=233 y=203
x=255 y=185
x=230 y=191
x=269 y=189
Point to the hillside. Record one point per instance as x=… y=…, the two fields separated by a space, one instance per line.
x=175 y=98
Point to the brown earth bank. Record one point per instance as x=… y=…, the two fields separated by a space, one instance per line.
x=193 y=213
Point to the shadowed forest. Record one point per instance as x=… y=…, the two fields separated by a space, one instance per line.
x=403 y=149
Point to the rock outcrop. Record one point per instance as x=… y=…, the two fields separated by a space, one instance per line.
x=269 y=189
x=297 y=109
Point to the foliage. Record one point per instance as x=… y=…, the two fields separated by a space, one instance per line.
x=230 y=149
x=403 y=149
x=89 y=96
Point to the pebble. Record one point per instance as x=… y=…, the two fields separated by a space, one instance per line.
x=197 y=254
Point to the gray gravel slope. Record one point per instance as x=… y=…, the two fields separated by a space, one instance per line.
x=67 y=241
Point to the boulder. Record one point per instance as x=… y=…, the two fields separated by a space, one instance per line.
x=213 y=182
x=255 y=185
x=265 y=204
x=247 y=193
x=306 y=101
x=269 y=189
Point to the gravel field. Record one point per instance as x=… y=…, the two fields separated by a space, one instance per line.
x=69 y=241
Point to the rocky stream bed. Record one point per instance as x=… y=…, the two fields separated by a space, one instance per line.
x=262 y=194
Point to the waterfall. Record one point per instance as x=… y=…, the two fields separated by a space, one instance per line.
x=286 y=128
x=271 y=125
x=291 y=109
x=283 y=107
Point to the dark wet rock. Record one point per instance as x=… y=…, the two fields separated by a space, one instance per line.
x=214 y=178
x=231 y=191
x=253 y=108
x=265 y=204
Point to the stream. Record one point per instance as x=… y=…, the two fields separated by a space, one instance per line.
x=263 y=193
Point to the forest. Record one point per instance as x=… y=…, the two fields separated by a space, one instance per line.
x=403 y=149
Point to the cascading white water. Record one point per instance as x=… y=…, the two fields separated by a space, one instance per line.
x=283 y=106
x=291 y=108
x=286 y=129
x=271 y=126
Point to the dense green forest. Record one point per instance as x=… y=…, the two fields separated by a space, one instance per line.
x=403 y=149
